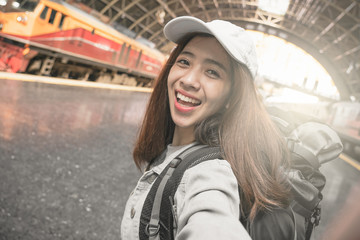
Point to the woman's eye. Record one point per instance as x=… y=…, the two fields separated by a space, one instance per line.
x=213 y=73
x=183 y=62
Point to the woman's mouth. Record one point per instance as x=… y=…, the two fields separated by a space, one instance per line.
x=187 y=101
x=184 y=103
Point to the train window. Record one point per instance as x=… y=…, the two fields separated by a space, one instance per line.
x=52 y=16
x=122 y=51
x=138 y=60
x=113 y=57
x=44 y=12
x=61 y=21
x=127 y=54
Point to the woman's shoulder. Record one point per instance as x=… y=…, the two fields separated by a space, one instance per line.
x=216 y=164
x=213 y=174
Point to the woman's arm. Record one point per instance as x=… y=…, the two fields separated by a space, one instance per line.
x=208 y=203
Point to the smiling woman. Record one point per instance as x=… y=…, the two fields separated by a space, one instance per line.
x=205 y=96
x=198 y=85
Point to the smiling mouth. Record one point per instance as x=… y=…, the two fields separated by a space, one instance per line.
x=187 y=101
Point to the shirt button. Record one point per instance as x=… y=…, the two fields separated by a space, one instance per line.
x=132 y=213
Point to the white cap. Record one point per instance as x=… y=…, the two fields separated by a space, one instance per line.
x=235 y=40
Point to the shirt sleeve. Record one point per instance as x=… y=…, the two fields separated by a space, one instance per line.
x=208 y=203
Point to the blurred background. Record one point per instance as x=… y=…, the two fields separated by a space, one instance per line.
x=75 y=77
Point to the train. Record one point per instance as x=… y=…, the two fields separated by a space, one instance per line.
x=54 y=38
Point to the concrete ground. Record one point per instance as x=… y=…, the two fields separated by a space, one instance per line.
x=65 y=156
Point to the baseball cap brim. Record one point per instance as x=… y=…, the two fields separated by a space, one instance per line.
x=177 y=28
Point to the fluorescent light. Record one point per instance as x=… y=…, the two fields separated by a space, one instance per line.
x=16 y=4
x=3 y=2
x=278 y=7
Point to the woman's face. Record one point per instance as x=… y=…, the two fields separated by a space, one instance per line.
x=198 y=82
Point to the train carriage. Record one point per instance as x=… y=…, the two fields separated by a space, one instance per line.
x=55 y=38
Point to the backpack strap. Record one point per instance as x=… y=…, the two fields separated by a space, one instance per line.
x=158 y=216
x=295 y=223
x=313 y=222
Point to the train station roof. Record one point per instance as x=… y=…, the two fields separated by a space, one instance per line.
x=329 y=30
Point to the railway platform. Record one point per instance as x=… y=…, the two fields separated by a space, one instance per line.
x=66 y=164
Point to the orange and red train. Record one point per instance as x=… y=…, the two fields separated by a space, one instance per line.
x=52 y=37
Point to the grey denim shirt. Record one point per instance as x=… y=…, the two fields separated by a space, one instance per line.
x=207 y=202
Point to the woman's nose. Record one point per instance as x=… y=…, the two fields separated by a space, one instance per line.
x=191 y=80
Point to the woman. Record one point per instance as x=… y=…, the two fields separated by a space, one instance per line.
x=206 y=94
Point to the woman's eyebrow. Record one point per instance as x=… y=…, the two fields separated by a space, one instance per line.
x=220 y=65
x=187 y=53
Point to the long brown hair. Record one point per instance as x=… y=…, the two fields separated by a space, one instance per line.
x=243 y=129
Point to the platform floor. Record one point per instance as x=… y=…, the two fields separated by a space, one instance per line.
x=66 y=168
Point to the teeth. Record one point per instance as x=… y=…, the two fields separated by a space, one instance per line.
x=187 y=99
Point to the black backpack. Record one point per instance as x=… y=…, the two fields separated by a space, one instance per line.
x=310 y=143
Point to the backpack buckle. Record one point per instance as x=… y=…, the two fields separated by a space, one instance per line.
x=152 y=230
x=175 y=162
x=316 y=216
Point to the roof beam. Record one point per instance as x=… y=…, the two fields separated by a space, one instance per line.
x=202 y=6
x=293 y=6
x=151 y=13
x=217 y=8
x=185 y=7
x=107 y=6
x=139 y=5
x=315 y=17
x=304 y=5
x=340 y=9
x=332 y=24
x=129 y=17
x=166 y=7
x=147 y=28
x=311 y=12
x=348 y=52
x=340 y=38
x=120 y=12
x=148 y=14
